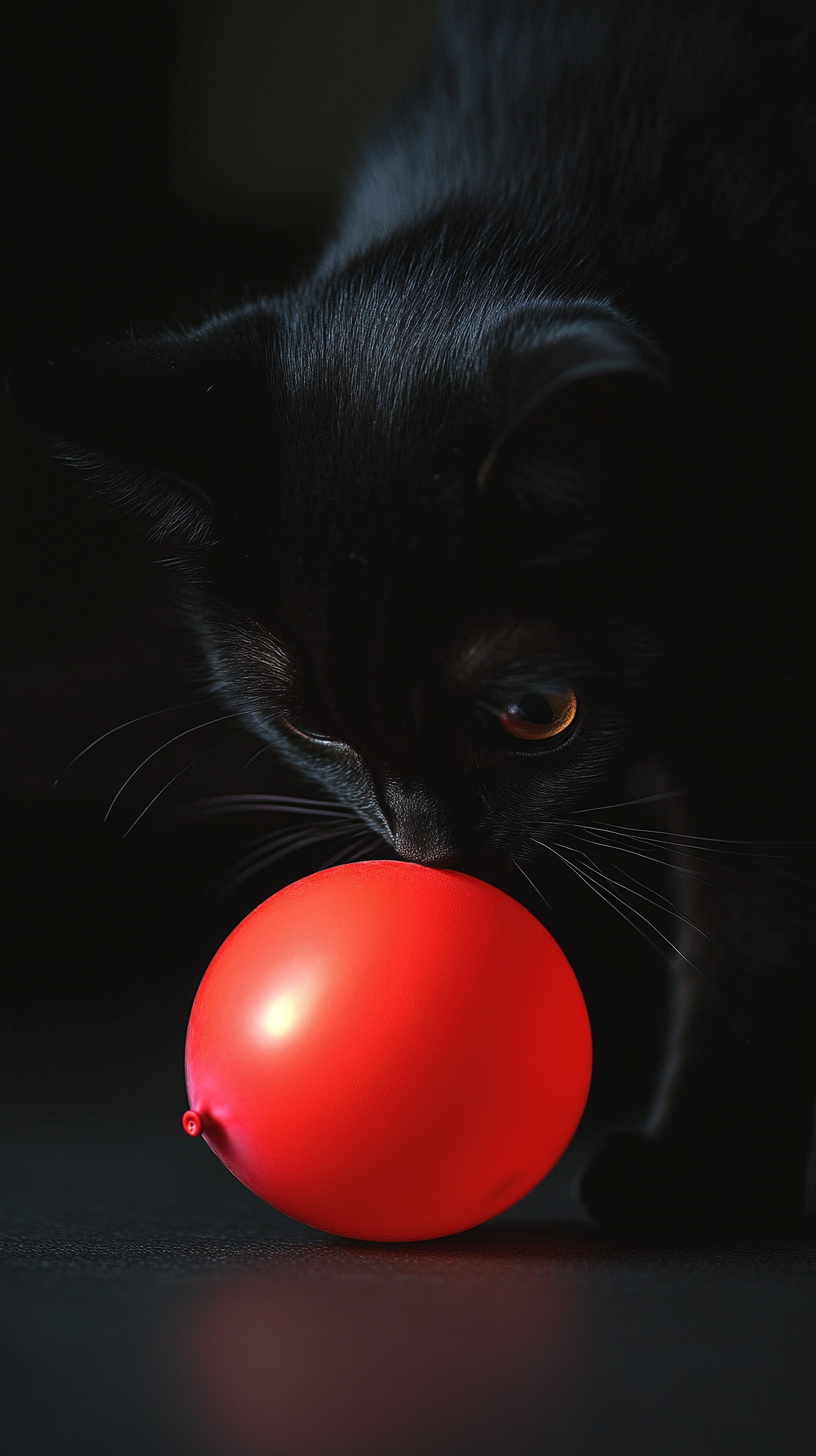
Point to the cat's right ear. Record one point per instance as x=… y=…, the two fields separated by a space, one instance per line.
x=147 y=422
x=585 y=420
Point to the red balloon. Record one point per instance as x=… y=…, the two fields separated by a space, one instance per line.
x=388 y=1051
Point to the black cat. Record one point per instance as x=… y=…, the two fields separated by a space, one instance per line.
x=499 y=526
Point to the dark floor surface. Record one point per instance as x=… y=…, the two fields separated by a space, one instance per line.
x=153 y=1307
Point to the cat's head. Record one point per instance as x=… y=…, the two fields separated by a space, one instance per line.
x=416 y=525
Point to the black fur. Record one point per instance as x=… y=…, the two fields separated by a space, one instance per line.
x=538 y=422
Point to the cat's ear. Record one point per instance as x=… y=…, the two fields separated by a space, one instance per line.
x=146 y=421
x=584 y=415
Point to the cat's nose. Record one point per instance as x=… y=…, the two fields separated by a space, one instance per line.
x=420 y=826
x=425 y=844
x=435 y=861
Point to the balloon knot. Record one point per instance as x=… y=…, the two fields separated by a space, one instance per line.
x=191 y=1122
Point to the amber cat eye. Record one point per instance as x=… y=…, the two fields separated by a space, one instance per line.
x=540 y=715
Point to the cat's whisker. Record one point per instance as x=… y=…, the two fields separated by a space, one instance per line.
x=673 y=864
x=666 y=902
x=342 y=855
x=594 y=880
x=197 y=728
x=308 y=843
x=698 y=841
x=287 y=839
x=259 y=861
x=539 y=892
x=660 y=902
x=667 y=842
x=631 y=803
x=234 y=804
x=376 y=842
x=672 y=853
x=120 y=727
x=669 y=864
x=588 y=882
x=705 y=789
x=264 y=748
x=207 y=751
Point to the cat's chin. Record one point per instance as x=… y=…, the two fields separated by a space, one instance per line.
x=689 y=1188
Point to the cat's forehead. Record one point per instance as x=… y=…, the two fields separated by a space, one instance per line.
x=504 y=648
x=377 y=372
x=461 y=652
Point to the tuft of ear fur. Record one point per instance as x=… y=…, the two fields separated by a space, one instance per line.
x=586 y=412
x=146 y=421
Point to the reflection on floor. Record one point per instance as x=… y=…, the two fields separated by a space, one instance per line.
x=153 y=1307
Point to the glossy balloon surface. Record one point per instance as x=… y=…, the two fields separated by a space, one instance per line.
x=388 y=1051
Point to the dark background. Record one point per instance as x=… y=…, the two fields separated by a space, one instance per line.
x=161 y=160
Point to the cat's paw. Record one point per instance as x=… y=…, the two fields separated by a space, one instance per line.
x=638 y=1184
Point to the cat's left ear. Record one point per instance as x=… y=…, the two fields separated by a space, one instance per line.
x=584 y=411
x=148 y=421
